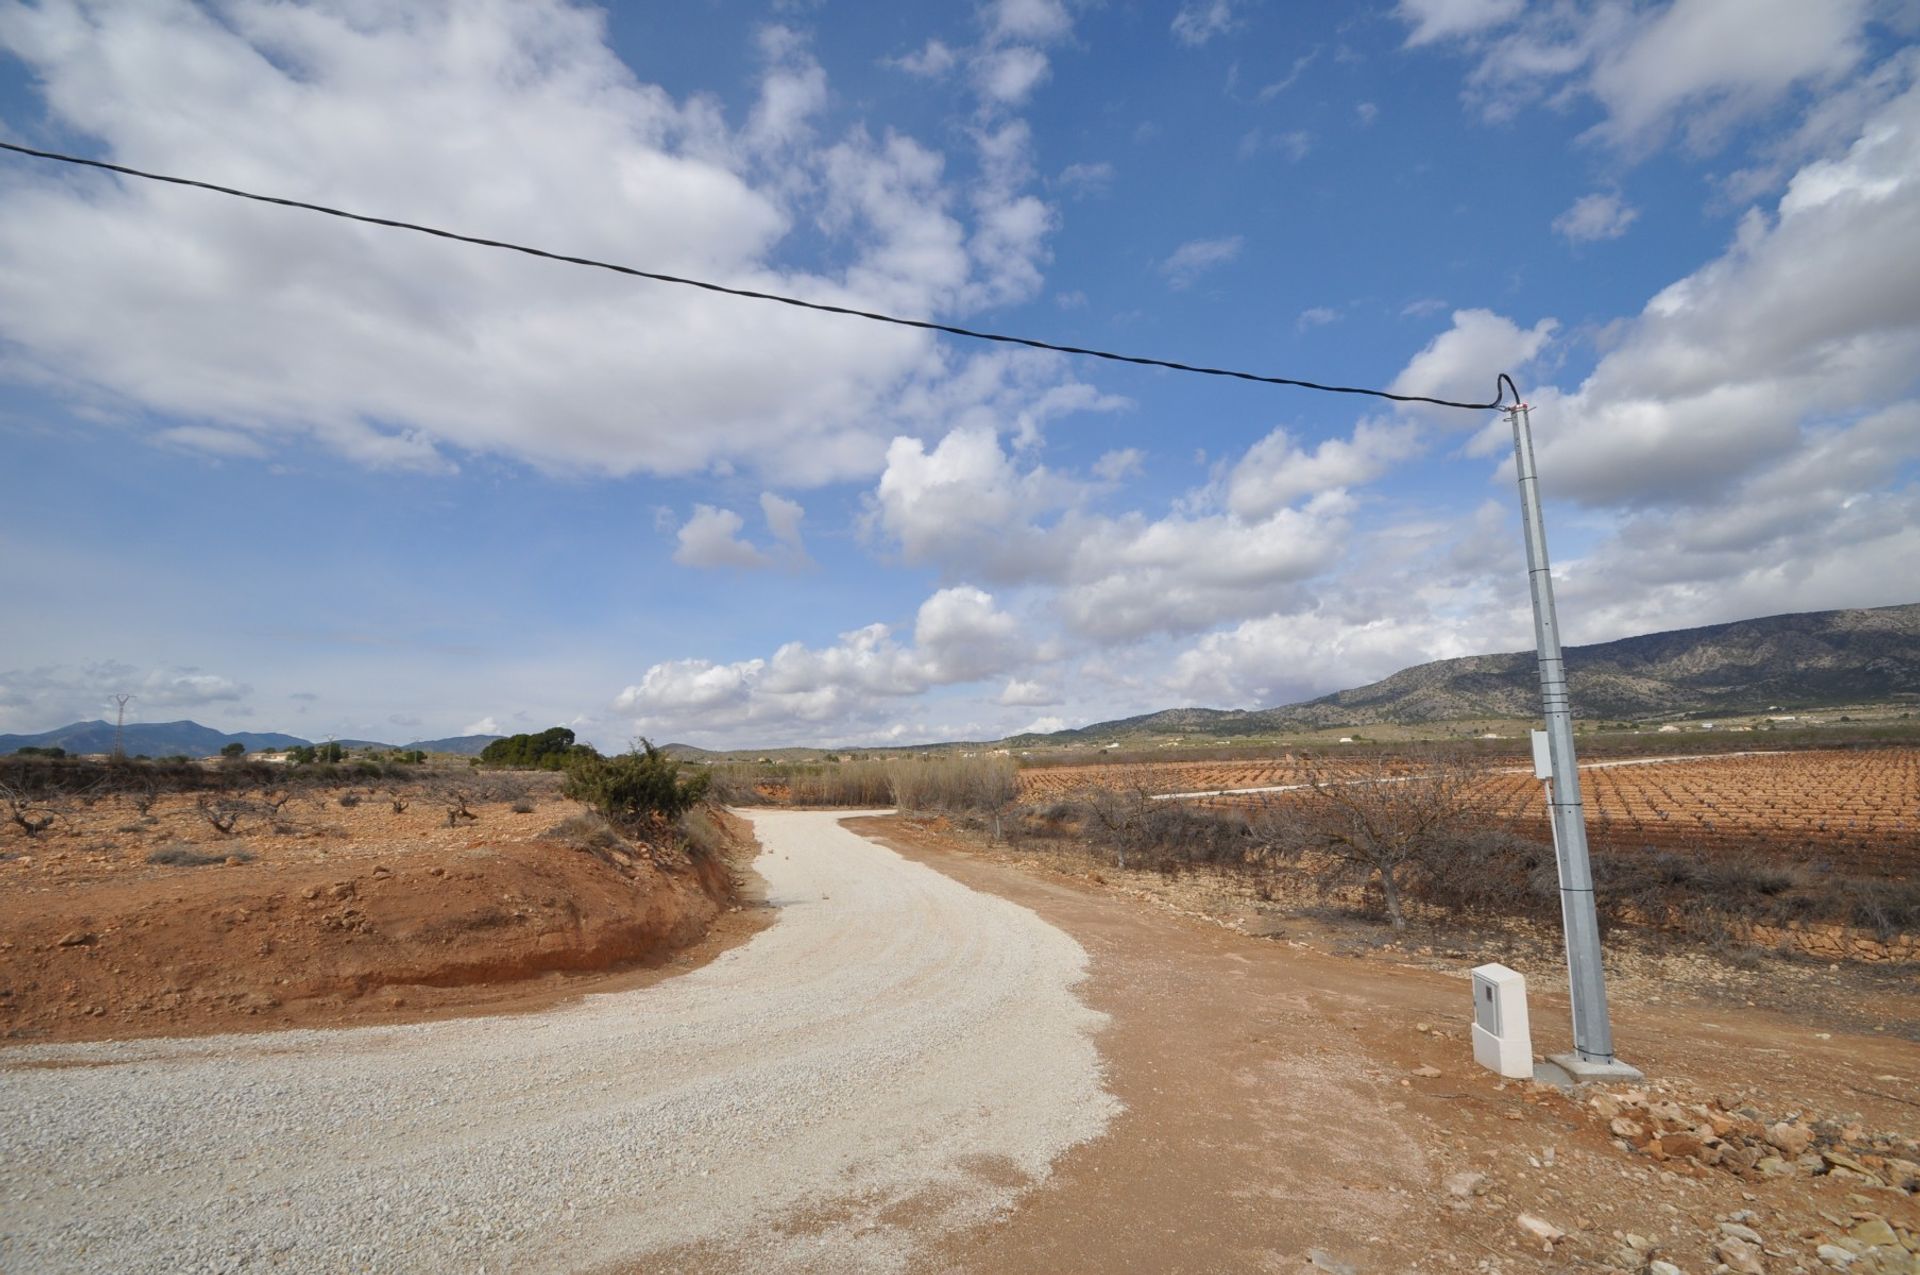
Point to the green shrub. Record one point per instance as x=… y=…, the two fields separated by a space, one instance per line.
x=549 y=750
x=634 y=788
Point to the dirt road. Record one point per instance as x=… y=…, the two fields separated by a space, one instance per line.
x=902 y=1073
x=896 y=1049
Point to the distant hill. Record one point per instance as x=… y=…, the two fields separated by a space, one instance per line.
x=155 y=739
x=463 y=745
x=1808 y=660
x=167 y=739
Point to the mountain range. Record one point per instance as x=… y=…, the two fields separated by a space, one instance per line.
x=1786 y=662
x=167 y=739
x=1807 y=660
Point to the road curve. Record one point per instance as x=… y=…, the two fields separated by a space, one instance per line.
x=895 y=1056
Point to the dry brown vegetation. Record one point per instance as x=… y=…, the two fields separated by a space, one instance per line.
x=1801 y=850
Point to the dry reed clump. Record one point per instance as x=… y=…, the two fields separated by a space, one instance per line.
x=986 y=785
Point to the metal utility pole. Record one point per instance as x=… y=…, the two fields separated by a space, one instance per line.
x=120 y=729
x=1593 y=1057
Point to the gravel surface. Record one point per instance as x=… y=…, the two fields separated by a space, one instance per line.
x=896 y=1055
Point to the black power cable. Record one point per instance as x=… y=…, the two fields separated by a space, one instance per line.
x=1499 y=400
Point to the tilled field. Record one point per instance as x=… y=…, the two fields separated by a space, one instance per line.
x=1853 y=809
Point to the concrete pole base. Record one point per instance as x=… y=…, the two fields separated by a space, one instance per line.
x=1580 y=1072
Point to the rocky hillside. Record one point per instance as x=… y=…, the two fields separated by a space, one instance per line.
x=1792 y=661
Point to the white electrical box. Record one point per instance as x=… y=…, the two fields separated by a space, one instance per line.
x=1542 y=756
x=1502 y=1040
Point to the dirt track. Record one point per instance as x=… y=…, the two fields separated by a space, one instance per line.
x=901 y=1074
x=895 y=1046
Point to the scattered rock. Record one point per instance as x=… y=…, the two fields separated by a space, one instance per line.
x=1663 y=1268
x=1835 y=1256
x=1740 y=1256
x=1325 y=1261
x=1463 y=1185
x=1539 y=1228
x=78 y=939
x=1875 y=1233
x=1739 y=1232
x=1426 y=1071
x=1792 y=1139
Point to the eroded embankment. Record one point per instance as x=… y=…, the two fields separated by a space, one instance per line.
x=416 y=933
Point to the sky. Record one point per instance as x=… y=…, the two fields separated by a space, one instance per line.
x=274 y=471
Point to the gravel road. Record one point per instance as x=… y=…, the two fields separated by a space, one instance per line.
x=897 y=1055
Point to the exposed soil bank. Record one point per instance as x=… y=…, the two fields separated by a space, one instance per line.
x=373 y=934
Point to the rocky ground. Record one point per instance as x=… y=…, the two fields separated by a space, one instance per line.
x=1776 y=1132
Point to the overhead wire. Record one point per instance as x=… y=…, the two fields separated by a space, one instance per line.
x=1499 y=399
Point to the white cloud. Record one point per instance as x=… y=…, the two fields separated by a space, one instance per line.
x=932 y=59
x=965 y=502
x=397 y=350
x=215 y=442
x=1366 y=112
x=1443 y=19
x=856 y=688
x=1039 y=20
x=1600 y=215
x=1316 y=317
x=485 y=726
x=1119 y=463
x=1699 y=65
x=1028 y=693
x=1084 y=181
x=1010 y=75
x=1462 y=362
x=1276 y=471
x=1194 y=258
x=711 y=538
x=783 y=519
x=1811 y=315
x=1198 y=21
x=1043 y=725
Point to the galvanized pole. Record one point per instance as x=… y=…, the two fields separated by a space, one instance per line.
x=1592 y=1033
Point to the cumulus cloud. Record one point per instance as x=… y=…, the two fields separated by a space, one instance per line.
x=487 y=725
x=1277 y=471
x=711 y=538
x=1696 y=66
x=1028 y=693
x=1462 y=362
x=400 y=351
x=853 y=688
x=1725 y=372
x=1197 y=256
x=1601 y=215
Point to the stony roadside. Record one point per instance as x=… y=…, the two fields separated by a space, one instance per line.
x=1798 y=1128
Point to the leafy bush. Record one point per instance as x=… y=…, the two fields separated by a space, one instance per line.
x=634 y=788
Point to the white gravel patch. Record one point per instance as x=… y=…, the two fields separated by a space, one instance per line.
x=894 y=1037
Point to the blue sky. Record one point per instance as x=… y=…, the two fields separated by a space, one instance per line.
x=272 y=471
